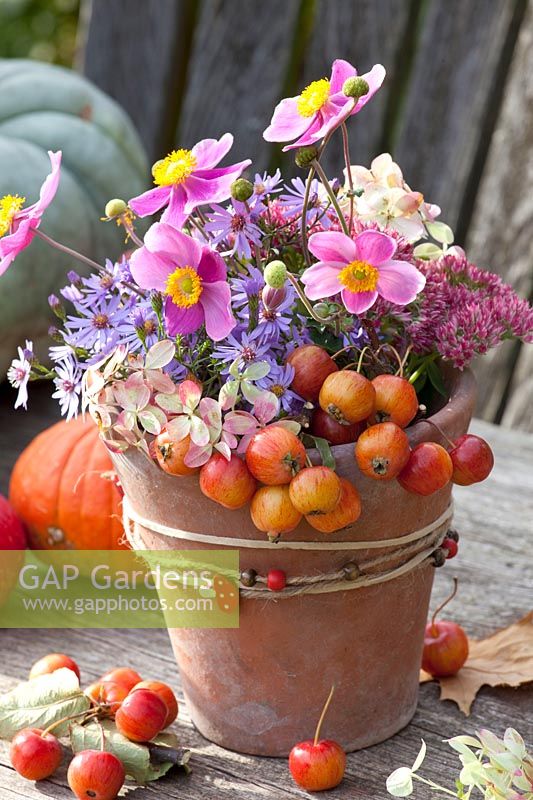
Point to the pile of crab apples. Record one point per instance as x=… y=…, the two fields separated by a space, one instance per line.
x=282 y=485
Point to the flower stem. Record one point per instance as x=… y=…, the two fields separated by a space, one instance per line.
x=68 y=250
x=305 y=206
x=346 y=148
x=335 y=203
x=323 y=320
x=434 y=785
x=323 y=714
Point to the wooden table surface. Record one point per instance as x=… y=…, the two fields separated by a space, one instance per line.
x=495 y=569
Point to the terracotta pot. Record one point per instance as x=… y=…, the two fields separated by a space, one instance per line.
x=259 y=689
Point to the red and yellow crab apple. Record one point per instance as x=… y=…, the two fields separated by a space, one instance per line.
x=315 y=490
x=96 y=774
x=170 y=453
x=345 y=513
x=35 y=754
x=275 y=455
x=141 y=716
x=348 y=397
x=52 y=662
x=429 y=469
x=272 y=510
x=228 y=483
x=382 y=451
x=396 y=400
x=311 y=365
x=472 y=460
x=323 y=425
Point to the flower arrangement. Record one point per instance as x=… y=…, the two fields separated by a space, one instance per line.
x=257 y=317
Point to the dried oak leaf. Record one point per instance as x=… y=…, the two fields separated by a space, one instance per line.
x=503 y=659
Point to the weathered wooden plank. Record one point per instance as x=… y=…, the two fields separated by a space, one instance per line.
x=363 y=33
x=494 y=521
x=238 y=65
x=500 y=234
x=454 y=90
x=138 y=54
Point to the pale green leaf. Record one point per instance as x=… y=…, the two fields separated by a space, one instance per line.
x=440 y=232
x=150 y=422
x=40 y=702
x=420 y=757
x=514 y=743
x=400 y=782
x=160 y=354
x=169 y=402
x=427 y=251
x=256 y=371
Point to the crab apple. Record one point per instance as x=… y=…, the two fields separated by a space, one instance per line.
x=347 y=396
x=96 y=774
x=396 y=400
x=315 y=490
x=445 y=648
x=346 y=512
x=429 y=469
x=170 y=453
x=35 y=754
x=272 y=510
x=274 y=455
x=123 y=675
x=382 y=451
x=108 y=693
x=167 y=696
x=311 y=365
x=472 y=460
x=141 y=716
x=228 y=483
x=51 y=662
x=328 y=428
x=318 y=764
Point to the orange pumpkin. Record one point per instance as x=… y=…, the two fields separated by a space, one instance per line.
x=58 y=490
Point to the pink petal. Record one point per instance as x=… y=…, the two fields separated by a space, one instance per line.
x=170 y=243
x=322 y=279
x=332 y=246
x=399 y=282
x=209 y=152
x=340 y=71
x=182 y=320
x=13 y=243
x=216 y=303
x=211 y=267
x=286 y=123
x=212 y=190
x=151 y=201
x=49 y=187
x=374 y=78
x=150 y=270
x=6 y=261
x=357 y=302
x=330 y=116
x=374 y=247
x=310 y=135
x=174 y=213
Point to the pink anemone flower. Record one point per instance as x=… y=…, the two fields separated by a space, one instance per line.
x=186 y=179
x=191 y=276
x=360 y=269
x=18 y=224
x=321 y=107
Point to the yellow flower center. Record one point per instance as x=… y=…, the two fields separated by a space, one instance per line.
x=359 y=276
x=184 y=287
x=9 y=206
x=313 y=98
x=175 y=168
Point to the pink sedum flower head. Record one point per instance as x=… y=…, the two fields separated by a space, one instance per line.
x=191 y=276
x=186 y=179
x=321 y=107
x=360 y=269
x=18 y=224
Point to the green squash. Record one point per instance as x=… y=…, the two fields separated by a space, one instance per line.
x=44 y=107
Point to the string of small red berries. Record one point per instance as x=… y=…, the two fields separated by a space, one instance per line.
x=283 y=486
x=141 y=710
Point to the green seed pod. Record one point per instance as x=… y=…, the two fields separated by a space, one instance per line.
x=304 y=156
x=275 y=274
x=114 y=208
x=242 y=190
x=355 y=87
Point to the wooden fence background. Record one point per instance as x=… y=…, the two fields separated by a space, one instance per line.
x=456 y=110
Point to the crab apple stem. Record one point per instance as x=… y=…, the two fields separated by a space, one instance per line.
x=439 y=430
x=85 y=714
x=443 y=605
x=324 y=712
x=68 y=250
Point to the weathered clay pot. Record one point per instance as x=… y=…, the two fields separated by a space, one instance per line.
x=259 y=689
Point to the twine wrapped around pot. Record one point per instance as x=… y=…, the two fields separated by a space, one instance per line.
x=351 y=576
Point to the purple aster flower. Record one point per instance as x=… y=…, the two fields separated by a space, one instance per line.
x=144 y=328
x=246 y=286
x=68 y=386
x=186 y=179
x=278 y=381
x=60 y=352
x=266 y=184
x=242 y=347
x=121 y=269
x=292 y=202
x=236 y=226
x=71 y=293
x=19 y=373
x=97 y=324
x=273 y=322
x=100 y=285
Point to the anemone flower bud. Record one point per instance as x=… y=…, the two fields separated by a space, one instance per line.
x=242 y=190
x=273 y=298
x=355 y=87
x=275 y=274
x=304 y=156
x=115 y=208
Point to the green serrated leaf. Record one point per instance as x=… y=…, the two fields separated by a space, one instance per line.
x=42 y=701
x=134 y=756
x=435 y=378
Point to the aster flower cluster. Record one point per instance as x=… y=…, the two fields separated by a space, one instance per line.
x=194 y=329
